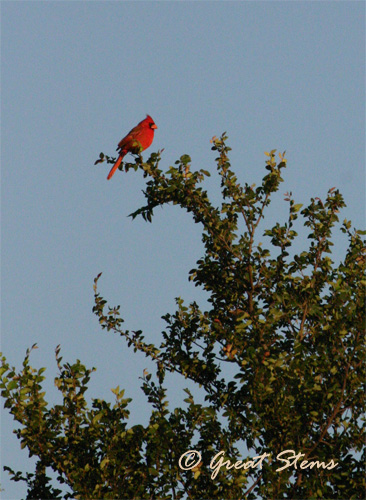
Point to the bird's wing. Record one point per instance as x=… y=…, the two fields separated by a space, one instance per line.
x=128 y=139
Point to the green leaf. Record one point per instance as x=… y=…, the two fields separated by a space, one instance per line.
x=12 y=385
x=297 y=207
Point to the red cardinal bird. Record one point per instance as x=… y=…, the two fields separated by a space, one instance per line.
x=138 y=139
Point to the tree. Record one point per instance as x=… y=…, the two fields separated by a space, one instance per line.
x=289 y=326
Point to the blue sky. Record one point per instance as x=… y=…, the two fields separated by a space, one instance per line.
x=76 y=76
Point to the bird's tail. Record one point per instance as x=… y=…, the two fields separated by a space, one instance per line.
x=116 y=165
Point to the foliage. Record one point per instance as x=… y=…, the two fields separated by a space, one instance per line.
x=289 y=326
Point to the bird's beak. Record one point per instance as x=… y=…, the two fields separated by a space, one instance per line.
x=153 y=126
